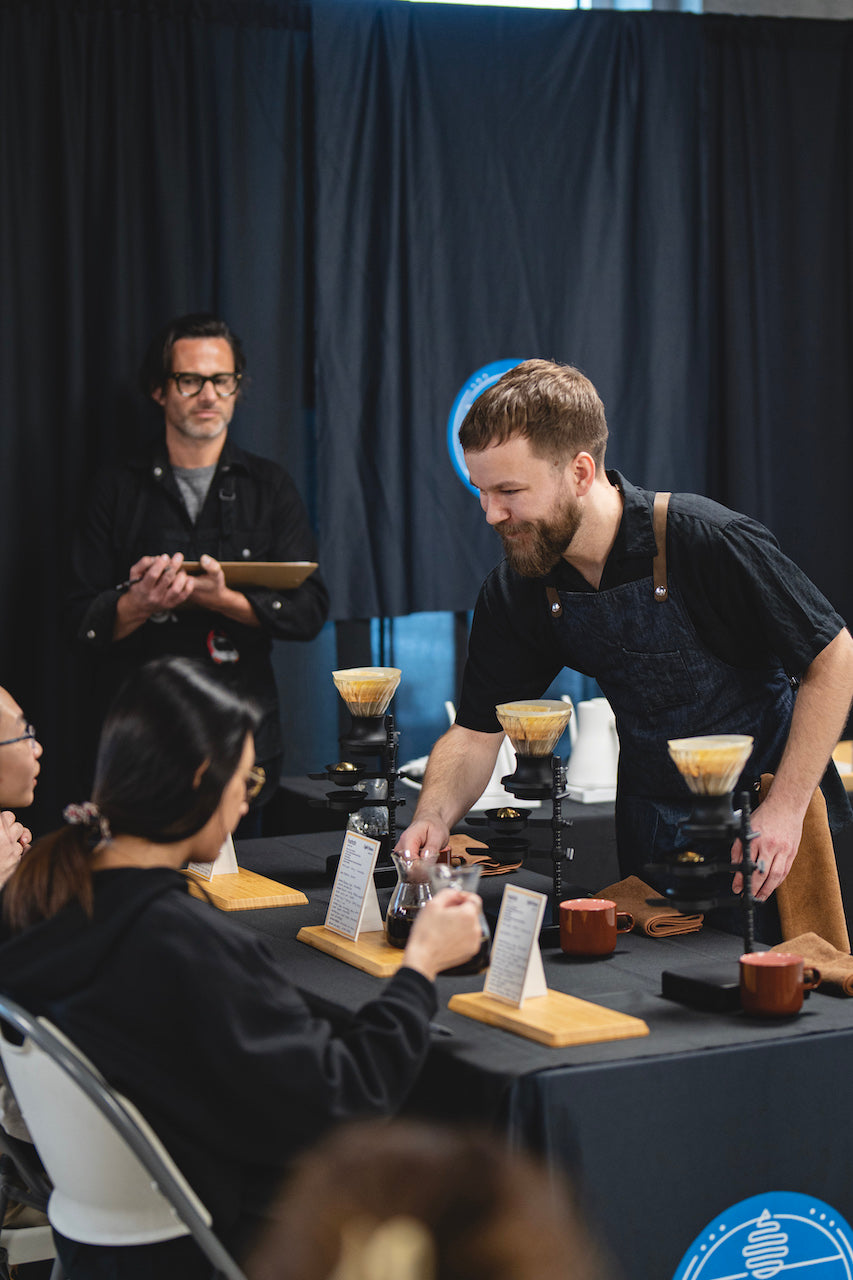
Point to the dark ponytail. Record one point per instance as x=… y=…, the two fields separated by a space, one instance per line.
x=171 y=742
x=56 y=869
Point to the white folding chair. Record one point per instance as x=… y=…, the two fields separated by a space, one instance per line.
x=114 y=1183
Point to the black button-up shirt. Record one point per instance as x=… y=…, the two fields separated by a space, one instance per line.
x=748 y=602
x=252 y=512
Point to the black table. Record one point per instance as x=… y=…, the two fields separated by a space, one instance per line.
x=662 y=1133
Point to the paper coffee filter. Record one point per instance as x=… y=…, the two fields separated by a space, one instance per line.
x=367 y=690
x=711 y=765
x=534 y=728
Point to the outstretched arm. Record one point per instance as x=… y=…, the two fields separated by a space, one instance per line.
x=820 y=712
x=459 y=768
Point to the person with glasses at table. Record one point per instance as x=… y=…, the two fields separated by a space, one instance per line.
x=194 y=496
x=183 y=1007
x=20 y=752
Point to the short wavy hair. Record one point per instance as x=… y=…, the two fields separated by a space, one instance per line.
x=554 y=406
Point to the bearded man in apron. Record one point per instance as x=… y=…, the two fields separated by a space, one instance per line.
x=687 y=614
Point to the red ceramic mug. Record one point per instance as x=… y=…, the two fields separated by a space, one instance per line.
x=772 y=983
x=588 y=926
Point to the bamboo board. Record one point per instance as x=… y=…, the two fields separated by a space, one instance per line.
x=555 y=1019
x=245 y=891
x=370 y=953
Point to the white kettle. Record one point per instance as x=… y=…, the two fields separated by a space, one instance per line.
x=595 y=745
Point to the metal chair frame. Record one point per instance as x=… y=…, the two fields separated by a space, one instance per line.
x=111 y=1106
x=23 y=1180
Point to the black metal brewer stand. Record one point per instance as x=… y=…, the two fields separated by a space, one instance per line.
x=535 y=778
x=699 y=879
x=367 y=736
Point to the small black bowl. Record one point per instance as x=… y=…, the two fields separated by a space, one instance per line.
x=508 y=825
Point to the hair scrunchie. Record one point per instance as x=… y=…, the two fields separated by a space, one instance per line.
x=88 y=815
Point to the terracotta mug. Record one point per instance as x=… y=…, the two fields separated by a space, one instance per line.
x=588 y=926
x=772 y=983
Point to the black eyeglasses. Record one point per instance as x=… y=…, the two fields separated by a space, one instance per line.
x=190 y=384
x=30 y=733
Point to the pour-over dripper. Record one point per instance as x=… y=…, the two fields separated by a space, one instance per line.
x=534 y=727
x=711 y=765
x=367 y=691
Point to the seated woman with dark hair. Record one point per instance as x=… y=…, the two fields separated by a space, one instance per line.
x=183 y=1008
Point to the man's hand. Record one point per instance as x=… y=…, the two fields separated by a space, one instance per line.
x=210 y=592
x=15 y=839
x=208 y=588
x=425 y=835
x=820 y=711
x=158 y=584
x=775 y=847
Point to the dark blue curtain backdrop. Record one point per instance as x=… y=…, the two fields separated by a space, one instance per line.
x=493 y=185
x=780 y=326
x=153 y=162
x=382 y=198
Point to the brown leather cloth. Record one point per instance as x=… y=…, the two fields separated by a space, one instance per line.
x=836 y=967
x=656 y=922
x=809 y=898
x=459 y=856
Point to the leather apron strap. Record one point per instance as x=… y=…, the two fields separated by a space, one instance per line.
x=661 y=590
x=661 y=506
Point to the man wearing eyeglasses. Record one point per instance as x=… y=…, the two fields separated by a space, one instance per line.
x=194 y=496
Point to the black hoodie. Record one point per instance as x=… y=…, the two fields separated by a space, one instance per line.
x=185 y=1011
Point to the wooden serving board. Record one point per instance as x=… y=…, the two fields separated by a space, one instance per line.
x=244 y=891
x=370 y=952
x=554 y=1019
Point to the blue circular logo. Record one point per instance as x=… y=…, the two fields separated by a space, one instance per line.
x=772 y=1235
x=474 y=387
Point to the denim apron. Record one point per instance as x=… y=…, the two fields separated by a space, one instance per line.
x=663 y=682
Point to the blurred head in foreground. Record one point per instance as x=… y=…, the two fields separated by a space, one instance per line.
x=407 y=1201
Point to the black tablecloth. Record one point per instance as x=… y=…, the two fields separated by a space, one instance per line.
x=662 y=1132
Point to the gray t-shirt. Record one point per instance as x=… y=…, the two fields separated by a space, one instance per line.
x=193 y=483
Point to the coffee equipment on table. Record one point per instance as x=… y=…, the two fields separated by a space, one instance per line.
x=534 y=728
x=589 y=926
x=444 y=876
x=773 y=983
x=699 y=877
x=367 y=692
x=411 y=891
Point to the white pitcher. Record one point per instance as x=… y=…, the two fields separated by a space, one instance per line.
x=595 y=745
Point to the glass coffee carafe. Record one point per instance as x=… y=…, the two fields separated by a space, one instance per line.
x=411 y=891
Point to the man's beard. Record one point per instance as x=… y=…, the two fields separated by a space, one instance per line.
x=538 y=544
